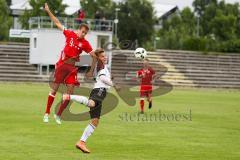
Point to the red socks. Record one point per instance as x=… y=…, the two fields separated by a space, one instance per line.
x=62 y=107
x=142 y=105
x=50 y=102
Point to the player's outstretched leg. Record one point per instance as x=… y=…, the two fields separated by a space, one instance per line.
x=79 y=99
x=86 y=134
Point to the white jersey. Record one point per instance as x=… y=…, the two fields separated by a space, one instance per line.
x=100 y=83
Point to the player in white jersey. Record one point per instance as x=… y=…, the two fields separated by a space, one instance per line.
x=97 y=95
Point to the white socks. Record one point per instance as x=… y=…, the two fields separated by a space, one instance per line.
x=90 y=128
x=79 y=99
x=87 y=132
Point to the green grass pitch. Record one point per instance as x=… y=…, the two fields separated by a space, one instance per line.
x=213 y=133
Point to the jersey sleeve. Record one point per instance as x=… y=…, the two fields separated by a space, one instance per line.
x=87 y=47
x=67 y=32
x=101 y=73
x=106 y=80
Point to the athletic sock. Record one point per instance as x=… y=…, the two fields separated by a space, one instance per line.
x=87 y=132
x=142 y=105
x=62 y=107
x=79 y=99
x=50 y=100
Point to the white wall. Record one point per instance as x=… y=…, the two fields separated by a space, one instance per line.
x=17 y=1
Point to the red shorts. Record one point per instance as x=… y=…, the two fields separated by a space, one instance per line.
x=66 y=74
x=145 y=90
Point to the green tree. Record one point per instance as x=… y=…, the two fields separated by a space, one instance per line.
x=209 y=13
x=219 y=28
x=136 y=21
x=9 y=2
x=188 y=19
x=5 y=20
x=224 y=26
x=177 y=29
x=170 y=34
x=212 y=12
x=105 y=7
x=200 y=5
x=37 y=10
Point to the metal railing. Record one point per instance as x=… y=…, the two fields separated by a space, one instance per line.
x=73 y=23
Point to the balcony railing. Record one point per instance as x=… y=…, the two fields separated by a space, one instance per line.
x=73 y=23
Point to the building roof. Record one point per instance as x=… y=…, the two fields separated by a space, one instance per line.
x=162 y=9
x=21 y=5
x=72 y=6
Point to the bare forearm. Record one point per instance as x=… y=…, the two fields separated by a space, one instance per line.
x=53 y=18
x=94 y=61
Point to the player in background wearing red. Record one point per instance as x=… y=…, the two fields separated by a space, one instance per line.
x=65 y=69
x=81 y=16
x=146 y=75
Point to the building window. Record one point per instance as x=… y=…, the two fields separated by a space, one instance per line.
x=35 y=42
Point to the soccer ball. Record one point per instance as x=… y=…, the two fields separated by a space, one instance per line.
x=140 y=53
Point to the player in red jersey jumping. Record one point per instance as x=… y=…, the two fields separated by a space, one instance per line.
x=146 y=75
x=65 y=69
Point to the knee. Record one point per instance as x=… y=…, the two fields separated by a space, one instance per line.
x=149 y=99
x=54 y=88
x=95 y=122
x=70 y=89
x=53 y=92
x=91 y=103
x=66 y=97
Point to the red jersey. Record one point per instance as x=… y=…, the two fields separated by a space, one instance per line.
x=73 y=46
x=147 y=76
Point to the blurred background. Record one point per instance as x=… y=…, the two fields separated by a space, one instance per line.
x=198 y=41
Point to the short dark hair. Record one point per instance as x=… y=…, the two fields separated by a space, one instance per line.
x=98 y=51
x=83 y=25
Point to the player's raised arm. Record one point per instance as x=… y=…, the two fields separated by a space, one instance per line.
x=53 y=18
x=91 y=71
x=92 y=53
x=94 y=61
